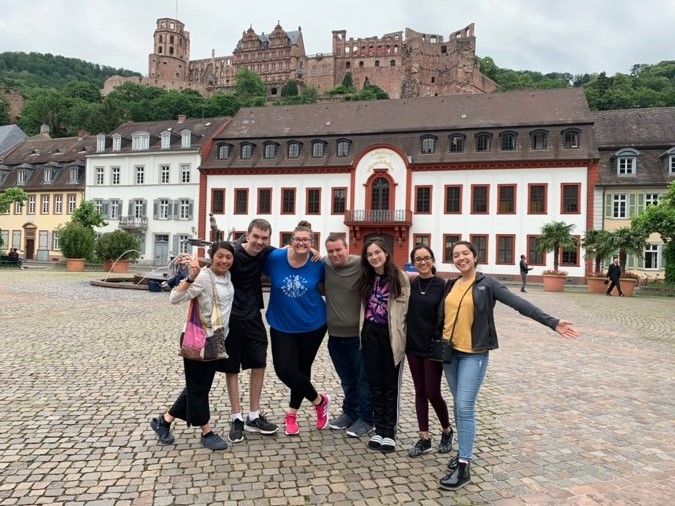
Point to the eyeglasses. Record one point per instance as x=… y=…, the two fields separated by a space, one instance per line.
x=419 y=260
x=304 y=240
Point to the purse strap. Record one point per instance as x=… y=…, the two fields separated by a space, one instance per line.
x=459 y=306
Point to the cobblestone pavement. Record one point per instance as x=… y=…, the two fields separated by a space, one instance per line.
x=84 y=369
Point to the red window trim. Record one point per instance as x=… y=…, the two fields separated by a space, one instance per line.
x=213 y=191
x=332 y=199
x=258 y=201
x=307 y=190
x=562 y=198
x=445 y=198
x=515 y=197
x=431 y=196
x=529 y=198
x=295 y=201
x=513 y=249
x=530 y=262
x=472 y=240
x=487 y=198
x=446 y=259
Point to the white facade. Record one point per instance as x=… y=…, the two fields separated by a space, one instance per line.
x=151 y=194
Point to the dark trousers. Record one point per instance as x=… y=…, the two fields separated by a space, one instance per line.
x=617 y=283
x=426 y=375
x=350 y=364
x=192 y=404
x=293 y=356
x=383 y=376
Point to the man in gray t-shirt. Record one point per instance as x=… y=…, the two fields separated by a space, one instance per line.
x=343 y=307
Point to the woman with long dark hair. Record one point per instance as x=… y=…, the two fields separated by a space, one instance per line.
x=384 y=290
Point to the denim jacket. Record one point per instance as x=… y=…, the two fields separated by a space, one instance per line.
x=486 y=291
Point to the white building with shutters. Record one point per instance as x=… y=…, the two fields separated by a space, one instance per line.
x=144 y=178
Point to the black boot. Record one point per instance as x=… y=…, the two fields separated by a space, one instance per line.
x=458 y=478
x=452 y=465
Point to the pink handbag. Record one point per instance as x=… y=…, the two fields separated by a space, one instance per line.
x=195 y=344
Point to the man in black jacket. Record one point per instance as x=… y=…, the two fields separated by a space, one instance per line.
x=613 y=274
x=524 y=269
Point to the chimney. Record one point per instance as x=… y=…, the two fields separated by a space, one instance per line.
x=44 y=129
x=182 y=118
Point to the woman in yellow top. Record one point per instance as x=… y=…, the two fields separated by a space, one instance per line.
x=466 y=317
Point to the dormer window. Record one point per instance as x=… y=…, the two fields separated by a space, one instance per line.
x=246 y=151
x=625 y=161
x=539 y=139
x=165 y=140
x=457 y=143
x=47 y=175
x=293 y=149
x=429 y=144
x=224 y=151
x=74 y=173
x=21 y=177
x=483 y=142
x=507 y=141
x=318 y=149
x=669 y=161
x=140 y=141
x=100 y=142
x=270 y=150
x=571 y=138
x=117 y=142
x=186 y=139
x=343 y=146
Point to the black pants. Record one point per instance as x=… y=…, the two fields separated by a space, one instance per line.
x=192 y=404
x=383 y=376
x=293 y=356
x=617 y=283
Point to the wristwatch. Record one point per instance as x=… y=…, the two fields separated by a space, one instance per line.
x=188 y=280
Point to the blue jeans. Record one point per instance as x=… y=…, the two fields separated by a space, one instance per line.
x=465 y=376
x=350 y=365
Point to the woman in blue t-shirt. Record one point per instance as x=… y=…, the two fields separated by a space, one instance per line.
x=297 y=317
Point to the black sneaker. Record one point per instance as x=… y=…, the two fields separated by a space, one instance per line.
x=213 y=441
x=163 y=430
x=260 y=425
x=446 y=442
x=236 y=431
x=422 y=446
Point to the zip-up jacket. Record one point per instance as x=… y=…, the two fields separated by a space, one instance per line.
x=486 y=291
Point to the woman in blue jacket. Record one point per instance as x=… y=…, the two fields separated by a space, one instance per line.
x=466 y=318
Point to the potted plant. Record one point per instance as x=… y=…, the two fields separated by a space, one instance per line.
x=116 y=249
x=628 y=282
x=597 y=246
x=555 y=236
x=77 y=244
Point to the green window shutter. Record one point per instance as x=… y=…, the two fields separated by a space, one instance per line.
x=640 y=261
x=630 y=261
x=640 y=203
x=609 y=200
x=632 y=204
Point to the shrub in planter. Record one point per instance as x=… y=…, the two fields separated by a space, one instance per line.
x=112 y=245
x=76 y=240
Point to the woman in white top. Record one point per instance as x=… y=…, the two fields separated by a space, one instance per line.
x=211 y=286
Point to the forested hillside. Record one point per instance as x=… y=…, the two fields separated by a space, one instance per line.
x=64 y=92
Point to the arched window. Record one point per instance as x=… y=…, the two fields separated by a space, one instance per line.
x=539 y=139
x=293 y=150
x=483 y=141
x=224 y=151
x=318 y=149
x=429 y=144
x=570 y=138
x=507 y=141
x=343 y=147
x=457 y=143
x=246 y=152
x=270 y=150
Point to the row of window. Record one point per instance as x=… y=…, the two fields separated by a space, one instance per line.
x=508 y=141
x=49 y=174
x=287 y=199
x=137 y=209
x=293 y=149
x=627 y=205
x=139 y=176
x=48 y=205
x=625 y=161
x=506 y=199
x=140 y=141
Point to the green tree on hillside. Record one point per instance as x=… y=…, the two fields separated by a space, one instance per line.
x=249 y=86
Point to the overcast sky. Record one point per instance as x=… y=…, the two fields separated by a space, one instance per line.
x=575 y=36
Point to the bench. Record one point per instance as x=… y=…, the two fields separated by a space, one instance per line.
x=7 y=261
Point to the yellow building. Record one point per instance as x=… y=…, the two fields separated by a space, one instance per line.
x=51 y=172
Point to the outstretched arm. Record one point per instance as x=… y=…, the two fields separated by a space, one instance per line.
x=566 y=329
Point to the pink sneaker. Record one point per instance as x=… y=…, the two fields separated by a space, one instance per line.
x=292 y=427
x=323 y=412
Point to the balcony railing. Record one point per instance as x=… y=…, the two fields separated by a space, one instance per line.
x=133 y=223
x=387 y=216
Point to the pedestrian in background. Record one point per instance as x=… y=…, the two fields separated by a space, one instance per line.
x=614 y=276
x=524 y=269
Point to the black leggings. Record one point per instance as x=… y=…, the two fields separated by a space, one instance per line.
x=426 y=375
x=293 y=356
x=192 y=404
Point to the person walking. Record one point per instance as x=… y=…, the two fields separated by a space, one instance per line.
x=466 y=318
x=614 y=275
x=384 y=290
x=211 y=286
x=343 y=307
x=297 y=319
x=247 y=344
x=426 y=291
x=524 y=269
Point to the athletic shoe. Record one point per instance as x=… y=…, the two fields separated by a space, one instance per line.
x=291 y=422
x=422 y=446
x=163 y=430
x=388 y=445
x=375 y=442
x=341 y=422
x=213 y=441
x=236 y=434
x=260 y=425
x=359 y=428
x=446 y=442
x=323 y=412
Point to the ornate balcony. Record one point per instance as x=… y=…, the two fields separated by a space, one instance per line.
x=133 y=223
x=387 y=217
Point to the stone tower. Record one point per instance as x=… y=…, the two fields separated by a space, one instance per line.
x=171 y=52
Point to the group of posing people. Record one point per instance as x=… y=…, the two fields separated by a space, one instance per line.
x=375 y=314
